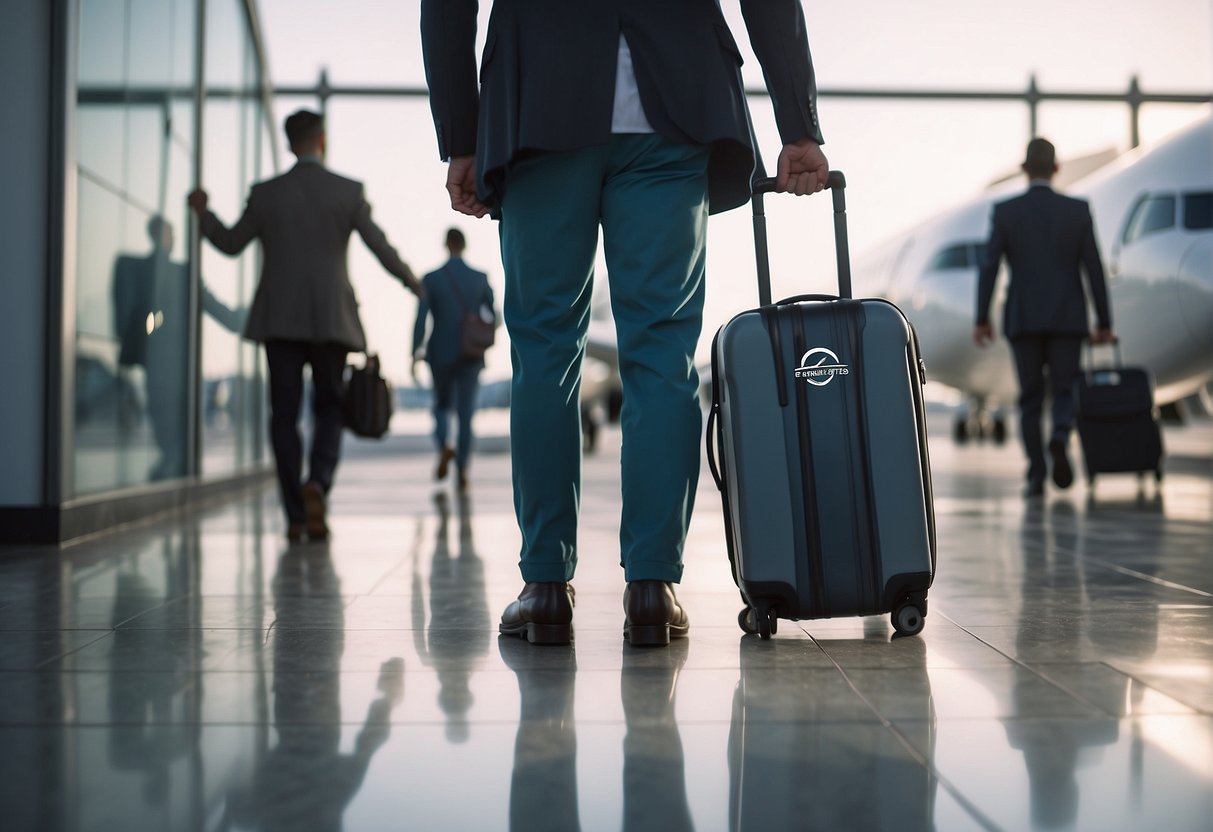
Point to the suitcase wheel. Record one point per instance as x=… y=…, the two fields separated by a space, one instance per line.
x=760 y=620
x=745 y=620
x=908 y=619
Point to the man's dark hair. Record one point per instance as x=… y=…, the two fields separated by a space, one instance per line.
x=1041 y=158
x=303 y=126
x=455 y=240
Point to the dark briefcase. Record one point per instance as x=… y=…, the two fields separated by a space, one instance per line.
x=368 y=400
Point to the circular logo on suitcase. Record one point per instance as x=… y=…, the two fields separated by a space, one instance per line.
x=819 y=365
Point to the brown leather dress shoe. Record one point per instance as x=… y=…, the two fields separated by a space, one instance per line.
x=652 y=614
x=314 y=508
x=543 y=613
x=444 y=462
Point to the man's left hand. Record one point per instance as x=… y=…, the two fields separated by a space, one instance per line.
x=197 y=200
x=461 y=185
x=802 y=168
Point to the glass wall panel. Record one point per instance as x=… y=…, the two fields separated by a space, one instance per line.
x=134 y=160
x=232 y=122
x=135 y=163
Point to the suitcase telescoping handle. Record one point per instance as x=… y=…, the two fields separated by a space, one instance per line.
x=1089 y=370
x=837 y=184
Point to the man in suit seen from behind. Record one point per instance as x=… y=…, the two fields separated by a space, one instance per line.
x=648 y=136
x=450 y=294
x=1048 y=241
x=304 y=309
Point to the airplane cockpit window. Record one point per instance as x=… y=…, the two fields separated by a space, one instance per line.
x=1198 y=211
x=1152 y=213
x=953 y=257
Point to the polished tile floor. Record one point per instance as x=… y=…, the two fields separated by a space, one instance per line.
x=199 y=674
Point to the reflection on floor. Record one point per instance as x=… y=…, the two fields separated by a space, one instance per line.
x=199 y=674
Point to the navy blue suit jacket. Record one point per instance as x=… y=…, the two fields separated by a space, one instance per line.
x=1048 y=240
x=547 y=80
x=441 y=302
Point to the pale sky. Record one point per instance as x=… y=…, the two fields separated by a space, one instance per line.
x=903 y=161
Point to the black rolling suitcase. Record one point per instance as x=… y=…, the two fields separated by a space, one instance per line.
x=817 y=442
x=1117 y=425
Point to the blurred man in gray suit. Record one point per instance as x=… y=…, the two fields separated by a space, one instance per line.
x=452 y=292
x=1048 y=240
x=304 y=309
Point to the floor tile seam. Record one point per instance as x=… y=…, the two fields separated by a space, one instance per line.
x=270 y=723
x=1151 y=686
x=136 y=616
x=387 y=575
x=1142 y=576
x=1031 y=669
x=597 y=722
x=1064 y=720
x=74 y=651
x=918 y=756
x=6 y=630
x=212 y=672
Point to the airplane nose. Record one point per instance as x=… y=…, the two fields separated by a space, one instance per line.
x=1196 y=290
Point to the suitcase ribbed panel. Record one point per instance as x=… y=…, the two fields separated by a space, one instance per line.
x=755 y=454
x=900 y=486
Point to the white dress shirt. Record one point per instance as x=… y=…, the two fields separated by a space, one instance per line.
x=628 y=115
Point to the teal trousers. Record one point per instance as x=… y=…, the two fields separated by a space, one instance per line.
x=649 y=196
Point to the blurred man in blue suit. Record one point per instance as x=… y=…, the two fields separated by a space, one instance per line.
x=449 y=294
x=629 y=115
x=1048 y=241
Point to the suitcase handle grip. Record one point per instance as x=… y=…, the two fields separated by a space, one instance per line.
x=802 y=298
x=836 y=183
x=1091 y=345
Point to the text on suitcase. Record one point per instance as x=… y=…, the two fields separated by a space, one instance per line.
x=819 y=365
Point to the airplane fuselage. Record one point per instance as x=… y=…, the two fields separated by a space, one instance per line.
x=1153 y=211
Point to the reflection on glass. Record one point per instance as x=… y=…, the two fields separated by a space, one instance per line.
x=305 y=782
x=457 y=635
x=793 y=766
x=233 y=132
x=654 y=768
x=133 y=154
x=151 y=319
x=135 y=162
x=543 y=786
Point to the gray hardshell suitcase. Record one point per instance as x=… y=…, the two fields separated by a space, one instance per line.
x=817 y=442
